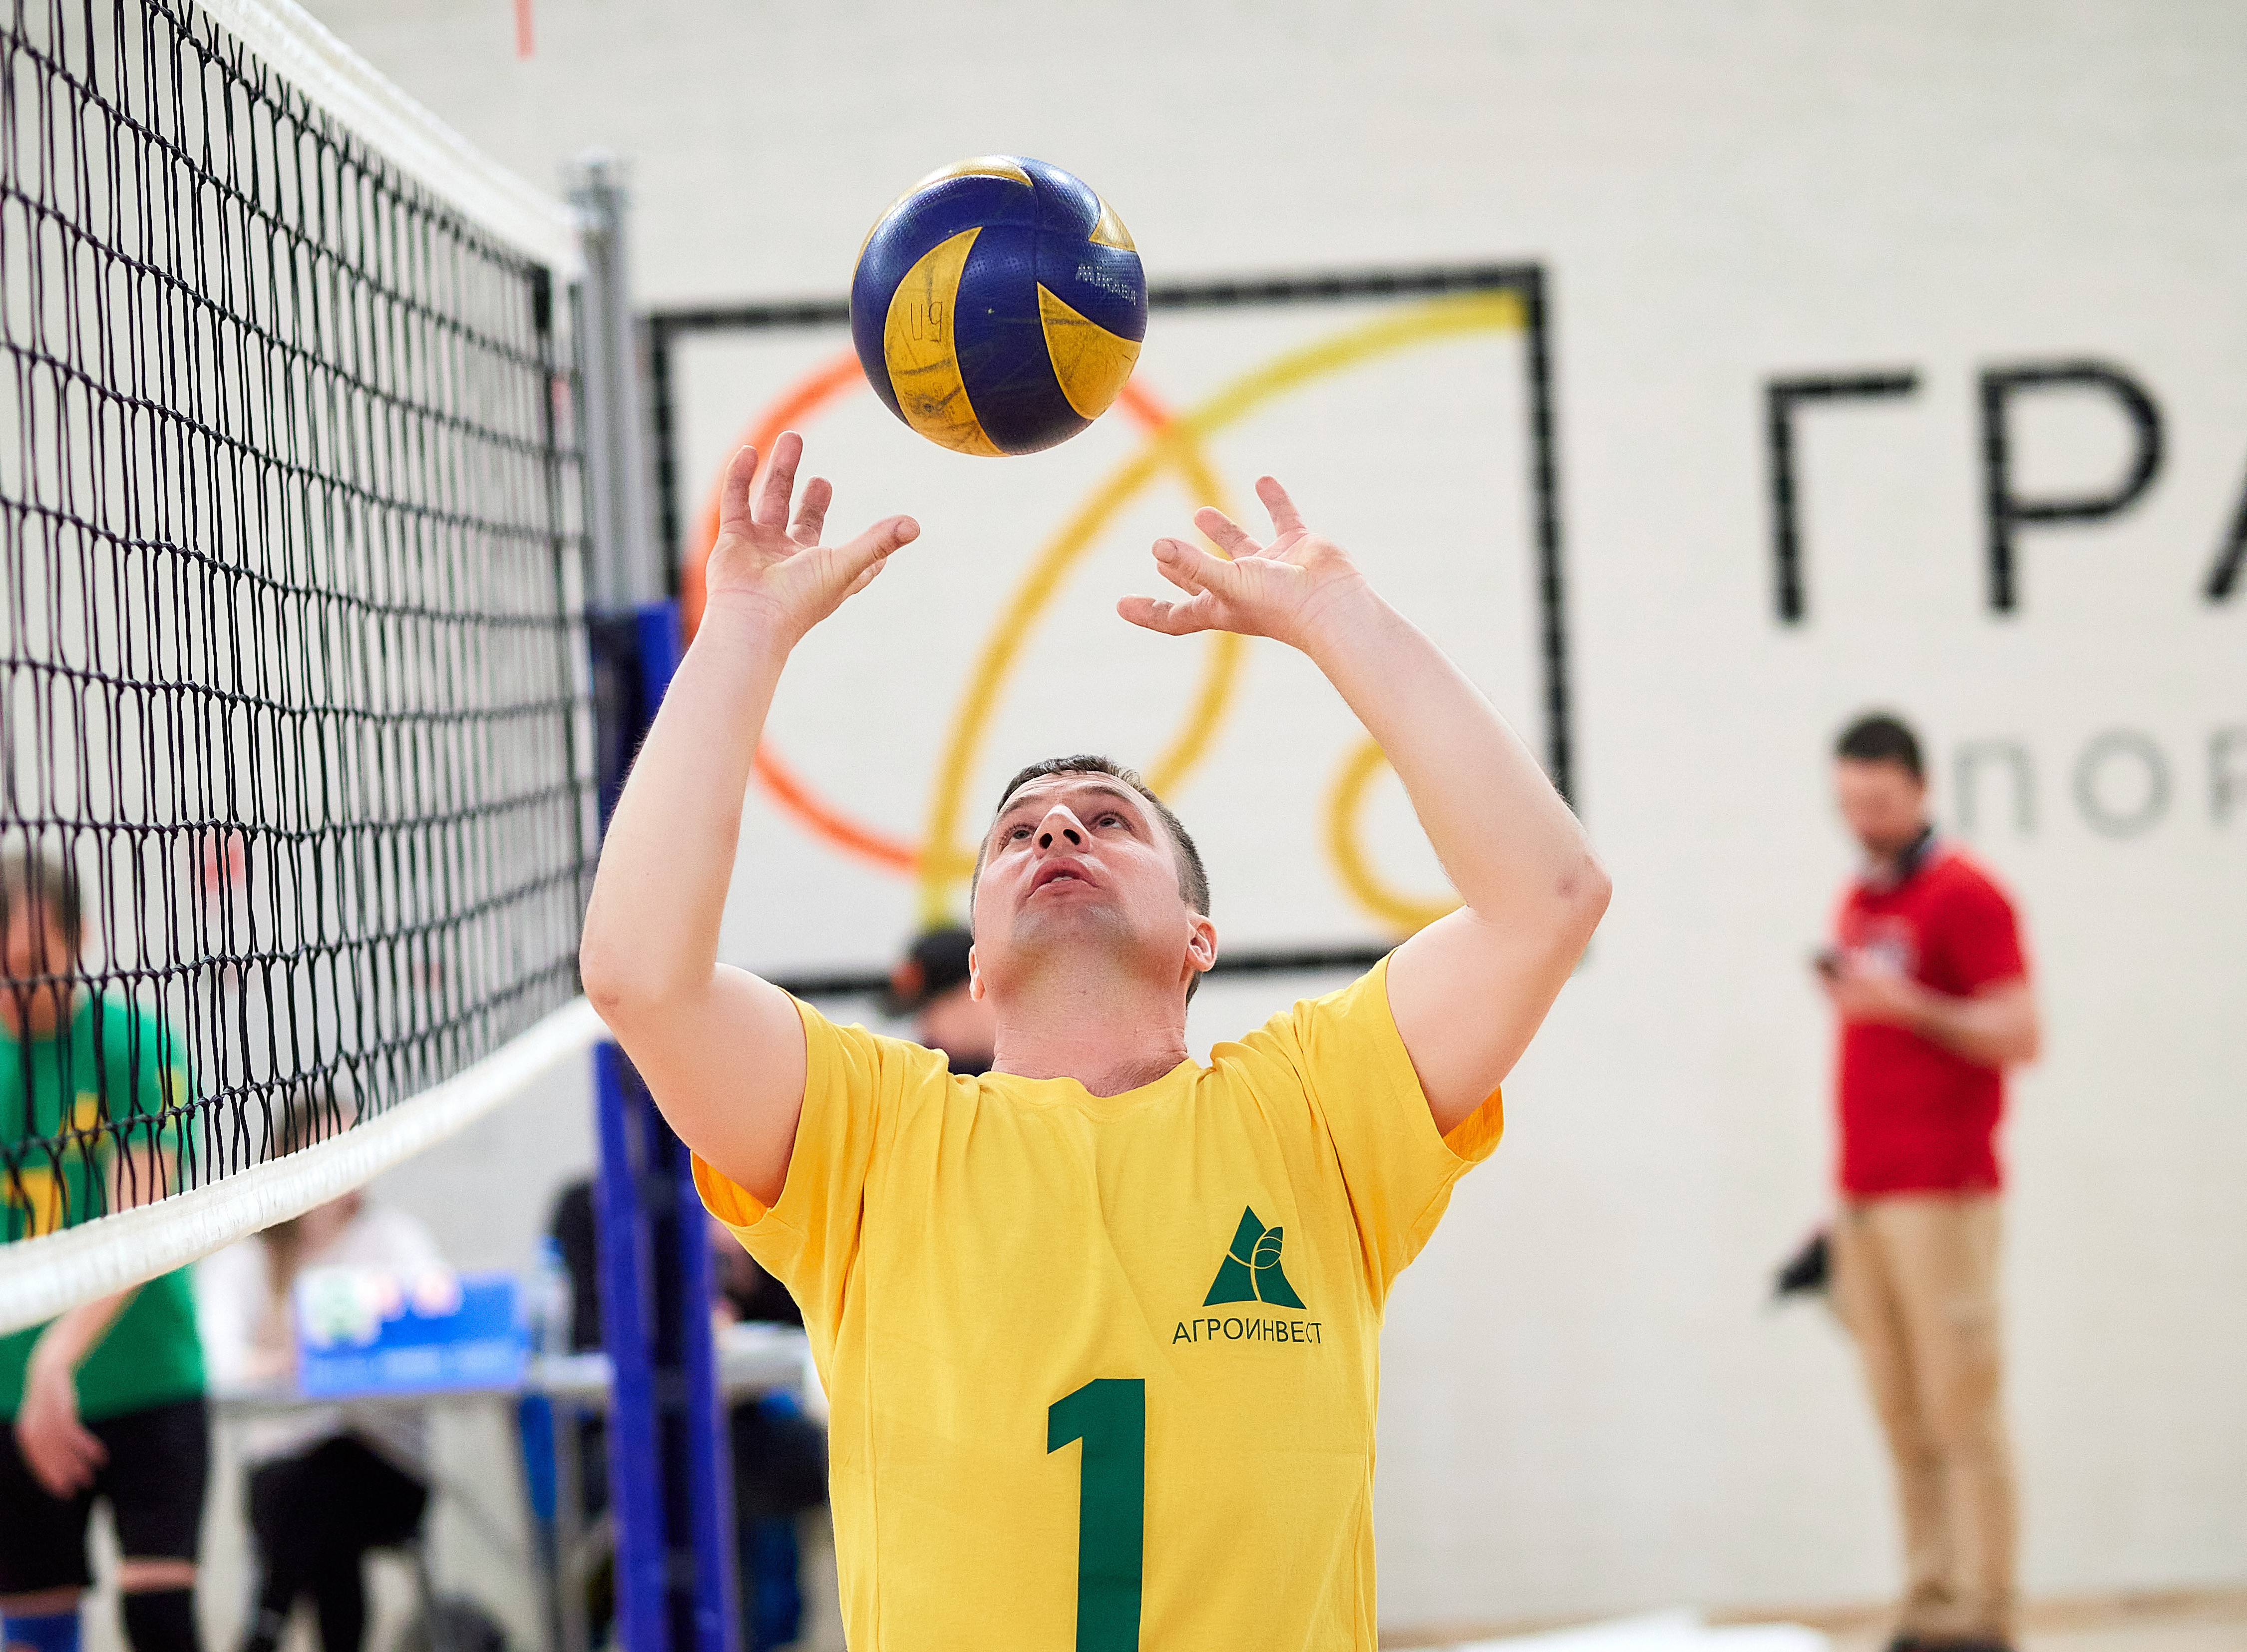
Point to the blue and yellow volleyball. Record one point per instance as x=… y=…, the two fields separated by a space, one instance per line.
x=997 y=306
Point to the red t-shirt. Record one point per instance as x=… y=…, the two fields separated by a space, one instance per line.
x=1915 y=1117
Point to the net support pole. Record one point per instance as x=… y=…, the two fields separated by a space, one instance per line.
x=670 y=1467
x=625 y=570
x=670 y=1461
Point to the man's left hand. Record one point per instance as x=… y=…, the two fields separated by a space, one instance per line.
x=1859 y=994
x=1289 y=590
x=63 y=1454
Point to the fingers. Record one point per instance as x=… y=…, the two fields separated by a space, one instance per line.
x=87 y=1451
x=871 y=549
x=780 y=480
x=1189 y=567
x=65 y=1460
x=812 y=515
x=1224 y=533
x=1285 y=519
x=734 y=493
x=1172 y=619
x=1182 y=578
x=54 y=1479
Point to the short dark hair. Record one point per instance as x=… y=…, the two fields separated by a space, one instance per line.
x=1879 y=737
x=49 y=884
x=1194 y=878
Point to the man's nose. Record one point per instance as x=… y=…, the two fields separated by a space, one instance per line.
x=1061 y=830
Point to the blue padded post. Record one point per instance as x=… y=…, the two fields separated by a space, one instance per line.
x=670 y=1456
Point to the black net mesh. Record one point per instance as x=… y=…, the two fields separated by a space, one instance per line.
x=290 y=655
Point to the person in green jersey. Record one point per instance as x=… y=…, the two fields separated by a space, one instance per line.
x=106 y=1401
x=1099 y=1326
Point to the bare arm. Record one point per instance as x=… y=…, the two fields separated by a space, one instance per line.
x=63 y=1454
x=1997 y=1026
x=721 y=1050
x=1469 y=990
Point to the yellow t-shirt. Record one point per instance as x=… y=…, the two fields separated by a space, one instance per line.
x=1103 y=1370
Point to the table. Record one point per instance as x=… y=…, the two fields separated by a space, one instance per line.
x=753 y=1359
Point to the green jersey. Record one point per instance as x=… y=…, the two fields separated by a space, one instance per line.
x=116 y=1077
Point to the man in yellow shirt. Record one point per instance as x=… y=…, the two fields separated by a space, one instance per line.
x=1100 y=1328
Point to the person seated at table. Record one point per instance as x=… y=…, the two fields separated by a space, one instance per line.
x=327 y=1483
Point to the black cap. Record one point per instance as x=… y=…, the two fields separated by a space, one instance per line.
x=937 y=964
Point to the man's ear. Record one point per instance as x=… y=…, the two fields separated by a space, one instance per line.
x=974 y=978
x=1201 y=942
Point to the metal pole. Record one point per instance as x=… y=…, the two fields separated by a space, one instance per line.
x=670 y=1463
x=626 y=571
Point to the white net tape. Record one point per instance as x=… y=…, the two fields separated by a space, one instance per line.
x=39 y=1278
x=288 y=37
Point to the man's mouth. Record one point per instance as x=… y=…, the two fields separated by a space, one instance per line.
x=1055 y=875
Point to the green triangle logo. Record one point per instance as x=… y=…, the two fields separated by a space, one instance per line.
x=1250 y=1271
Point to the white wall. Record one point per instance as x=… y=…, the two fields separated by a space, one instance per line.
x=1588 y=1407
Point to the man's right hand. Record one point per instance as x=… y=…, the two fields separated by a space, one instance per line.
x=722 y=1051
x=63 y=1454
x=770 y=567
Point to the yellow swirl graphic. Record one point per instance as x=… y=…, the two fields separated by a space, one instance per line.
x=1346 y=851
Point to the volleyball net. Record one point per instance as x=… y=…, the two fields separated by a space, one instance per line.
x=295 y=806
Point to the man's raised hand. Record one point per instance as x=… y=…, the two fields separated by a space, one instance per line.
x=766 y=564
x=1287 y=589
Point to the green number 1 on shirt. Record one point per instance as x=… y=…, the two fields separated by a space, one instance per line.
x=1109 y=1415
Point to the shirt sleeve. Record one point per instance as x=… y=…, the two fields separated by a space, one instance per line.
x=809 y=1241
x=1367 y=1099
x=1981 y=936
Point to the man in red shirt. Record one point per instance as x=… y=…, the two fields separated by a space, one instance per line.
x=1929 y=984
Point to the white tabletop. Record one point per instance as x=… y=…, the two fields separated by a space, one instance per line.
x=752 y=1359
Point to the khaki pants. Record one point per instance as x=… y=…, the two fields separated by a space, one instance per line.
x=1915 y=1280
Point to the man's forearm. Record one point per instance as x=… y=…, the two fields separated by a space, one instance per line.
x=76 y=1334
x=651 y=926
x=1995 y=1029
x=1504 y=836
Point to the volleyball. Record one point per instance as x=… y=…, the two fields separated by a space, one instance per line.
x=997 y=306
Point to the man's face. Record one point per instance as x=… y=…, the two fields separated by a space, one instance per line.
x=1884 y=804
x=34 y=946
x=1075 y=860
